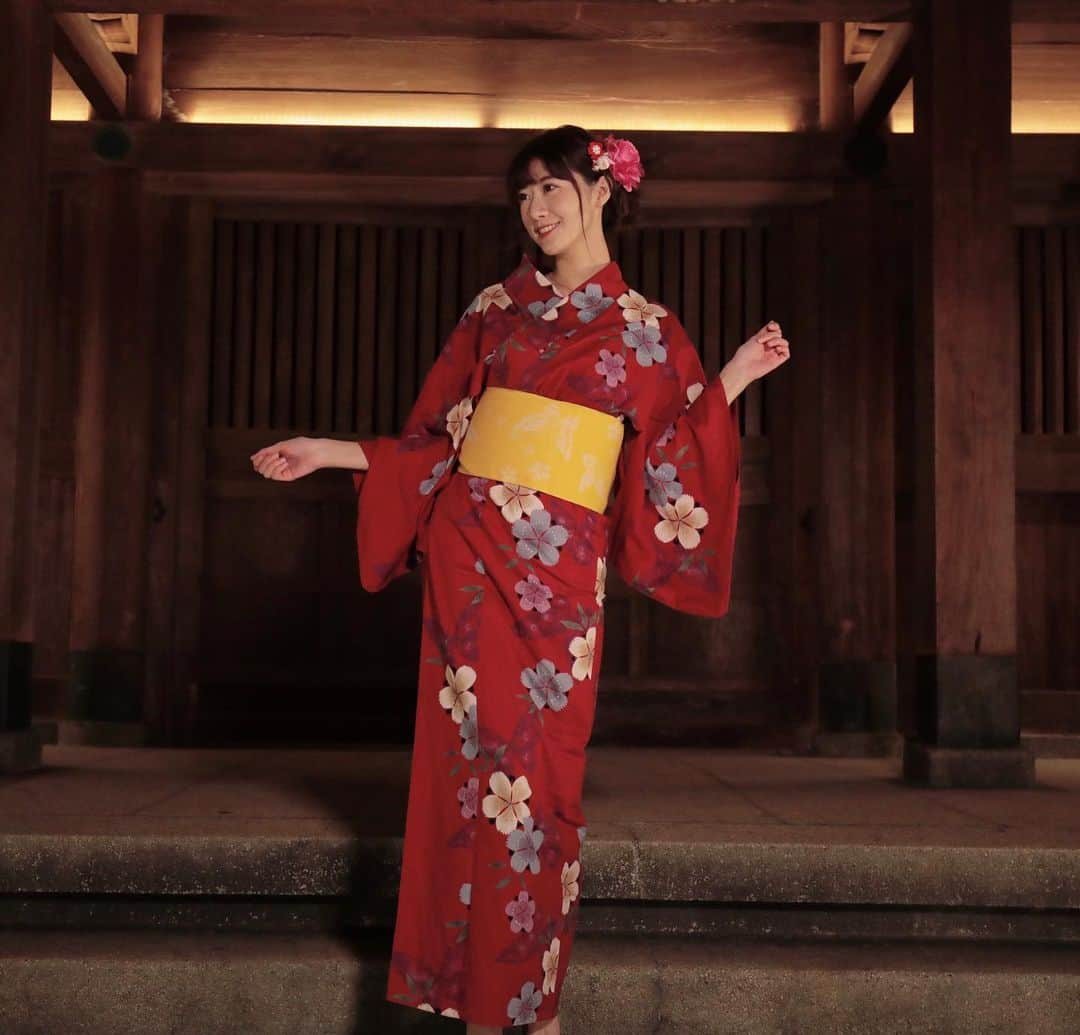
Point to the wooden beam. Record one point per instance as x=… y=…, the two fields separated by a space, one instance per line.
x=835 y=99
x=146 y=81
x=82 y=51
x=545 y=17
x=883 y=78
x=381 y=151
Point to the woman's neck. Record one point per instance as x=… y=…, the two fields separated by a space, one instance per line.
x=575 y=266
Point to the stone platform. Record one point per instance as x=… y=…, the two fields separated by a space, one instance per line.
x=148 y=890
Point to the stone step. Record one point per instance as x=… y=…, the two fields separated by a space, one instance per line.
x=331 y=883
x=972 y=876
x=116 y=983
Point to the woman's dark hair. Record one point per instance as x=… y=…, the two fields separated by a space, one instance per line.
x=564 y=151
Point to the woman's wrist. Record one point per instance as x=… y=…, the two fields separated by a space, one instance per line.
x=335 y=452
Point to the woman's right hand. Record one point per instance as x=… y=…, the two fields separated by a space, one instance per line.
x=287 y=460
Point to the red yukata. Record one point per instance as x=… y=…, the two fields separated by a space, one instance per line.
x=513 y=629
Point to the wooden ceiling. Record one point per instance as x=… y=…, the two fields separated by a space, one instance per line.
x=636 y=64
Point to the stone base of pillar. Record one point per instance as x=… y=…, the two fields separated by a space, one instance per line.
x=857 y=744
x=100 y=734
x=20 y=750
x=46 y=729
x=968 y=767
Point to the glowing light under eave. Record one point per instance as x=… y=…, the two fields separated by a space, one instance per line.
x=69 y=106
x=454 y=112
x=470 y=113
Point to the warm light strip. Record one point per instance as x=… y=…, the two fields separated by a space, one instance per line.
x=295 y=109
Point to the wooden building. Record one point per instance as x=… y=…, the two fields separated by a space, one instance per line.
x=248 y=220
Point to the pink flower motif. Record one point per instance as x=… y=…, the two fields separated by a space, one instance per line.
x=612 y=367
x=534 y=594
x=521 y=911
x=626 y=164
x=469 y=796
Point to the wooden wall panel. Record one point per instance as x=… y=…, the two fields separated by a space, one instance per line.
x=334 y=326
x=1049 y=346
x=305 y=323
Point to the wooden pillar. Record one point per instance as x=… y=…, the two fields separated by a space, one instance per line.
x=835 y=99
x=25 y=84
x=856 y=685
x=966 y=692
x=144 y=86
x=112 y=445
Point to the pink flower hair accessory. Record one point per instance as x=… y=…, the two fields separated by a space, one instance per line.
x=621 y=157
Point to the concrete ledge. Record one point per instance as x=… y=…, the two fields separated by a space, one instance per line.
x=100 y=734
x=829 y=744
x=889 y=874
x=20 y=750
x=199 y=984
x=968 y=767
x=1052 y=745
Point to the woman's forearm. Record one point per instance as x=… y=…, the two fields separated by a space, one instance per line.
x=734 y=380
x=335 y=452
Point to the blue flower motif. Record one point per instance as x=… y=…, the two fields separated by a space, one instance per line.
x=537 y=536
x=546 y=310
x=661 y=482
x=525 y=843
x=436 y=473
x=546 y=686
x=522 y=1008
x=645 y=341
x=470 y=747
x=591 y=302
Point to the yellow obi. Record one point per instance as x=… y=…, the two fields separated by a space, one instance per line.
x=561 y=448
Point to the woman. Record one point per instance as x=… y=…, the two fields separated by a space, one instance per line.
x=565 y=427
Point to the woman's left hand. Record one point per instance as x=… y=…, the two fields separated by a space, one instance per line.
x=763 y=353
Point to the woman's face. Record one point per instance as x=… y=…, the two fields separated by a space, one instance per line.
x=550 y=210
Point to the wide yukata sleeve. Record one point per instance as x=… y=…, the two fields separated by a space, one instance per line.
x=676 y=495
x=396 y=492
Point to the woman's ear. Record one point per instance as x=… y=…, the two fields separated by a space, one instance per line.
x=603 y=191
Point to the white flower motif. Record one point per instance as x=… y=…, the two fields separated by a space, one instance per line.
x=693 y=392
x=448 y=1012
x=601 y=580
x=515 y=500
x=496 y=294
x=506 y=804
x=457 y=420
x=583 y=648
x=551 y=966
x=681 y=519
x=456 y=695
x=542 y=280
x=570 y=889
x=638 y=309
